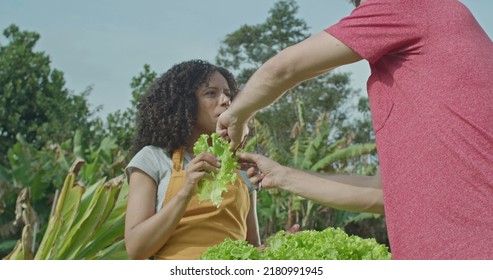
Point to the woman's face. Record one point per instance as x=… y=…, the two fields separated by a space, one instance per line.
x=213 y=99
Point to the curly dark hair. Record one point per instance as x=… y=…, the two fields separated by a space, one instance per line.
x=167 y=112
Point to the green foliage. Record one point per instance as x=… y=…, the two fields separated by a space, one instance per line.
x=42 y=170
x=328 y=244
x=33 y=99
x=311 y=150
x=361 y=128
x=212 y=189
x=308 y=128
x=43 y=128
x=232 y=250
x=87 y=223
x=121 y=124
x=250 y=46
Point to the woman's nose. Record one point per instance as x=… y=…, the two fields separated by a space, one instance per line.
x=225 y=100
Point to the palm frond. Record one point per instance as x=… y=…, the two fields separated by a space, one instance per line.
x=346 y=153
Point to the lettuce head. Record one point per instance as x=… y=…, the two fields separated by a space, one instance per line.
x=213 y=189
x=328 y=244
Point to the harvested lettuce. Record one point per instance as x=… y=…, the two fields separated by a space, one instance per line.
x=232 y=250
x=328 y=244
x=212 y=189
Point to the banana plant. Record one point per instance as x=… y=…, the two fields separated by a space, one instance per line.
x=25 y=215
x=44 y=170
x=86 y=223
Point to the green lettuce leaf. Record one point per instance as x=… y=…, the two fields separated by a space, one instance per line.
x=213 y=189
x=232 y=250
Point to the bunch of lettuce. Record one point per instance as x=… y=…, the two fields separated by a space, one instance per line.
x=232 y=250
x=212 y=189
x=329 y=244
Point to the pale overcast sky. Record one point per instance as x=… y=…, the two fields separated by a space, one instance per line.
x=105 y=43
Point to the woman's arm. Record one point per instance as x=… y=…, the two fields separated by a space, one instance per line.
x=146 y=231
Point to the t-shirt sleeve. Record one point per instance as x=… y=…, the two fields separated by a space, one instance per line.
x=379 y=27
x=146 y=161
x=244 y=176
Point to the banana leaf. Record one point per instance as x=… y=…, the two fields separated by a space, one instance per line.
x=87 y=223
x=111 y=230
x=98 y=211
x=22 y=250
x=65 y=211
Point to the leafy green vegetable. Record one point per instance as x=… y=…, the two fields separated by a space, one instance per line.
x=232 y=250
x=329 y=244
x=212 y=189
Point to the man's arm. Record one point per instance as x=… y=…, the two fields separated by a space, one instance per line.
x=310 y=58
x=295 y=64
x=374 y=181
x=346 y=192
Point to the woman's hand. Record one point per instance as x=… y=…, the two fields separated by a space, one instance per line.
x=197 y=170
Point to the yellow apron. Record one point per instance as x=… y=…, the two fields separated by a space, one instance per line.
x=204 y=224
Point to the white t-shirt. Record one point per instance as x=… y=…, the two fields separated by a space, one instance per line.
x=156 y=163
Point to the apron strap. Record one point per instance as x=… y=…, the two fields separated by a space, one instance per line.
x=178 y=159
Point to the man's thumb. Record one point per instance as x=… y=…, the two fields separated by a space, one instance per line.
x=247 y=156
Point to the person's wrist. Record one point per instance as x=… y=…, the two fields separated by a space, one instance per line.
x=238 y=115
x=184 y=195
x=282 y=174
x=237 y=120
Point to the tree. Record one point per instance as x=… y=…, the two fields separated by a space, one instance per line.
x=247 y=48
x=34 y=101
x=121 y=124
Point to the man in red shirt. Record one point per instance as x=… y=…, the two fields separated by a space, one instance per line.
x=431 y=98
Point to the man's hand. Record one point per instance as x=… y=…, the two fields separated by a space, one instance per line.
x=262 y=169
x=294 y=229
x=231 y=129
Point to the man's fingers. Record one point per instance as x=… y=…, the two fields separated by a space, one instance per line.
x=294 y=229
x=234 y=144
x=223 y=133
x=252 y=171
x=248 y=157
x=244 y=165
x=256 y=179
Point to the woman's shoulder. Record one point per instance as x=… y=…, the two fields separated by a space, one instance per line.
x=153 y=152
x=152 y=160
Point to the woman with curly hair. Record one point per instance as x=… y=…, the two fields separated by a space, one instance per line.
x=164 y=219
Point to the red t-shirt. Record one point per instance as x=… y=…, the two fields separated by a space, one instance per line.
x=431 y=98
